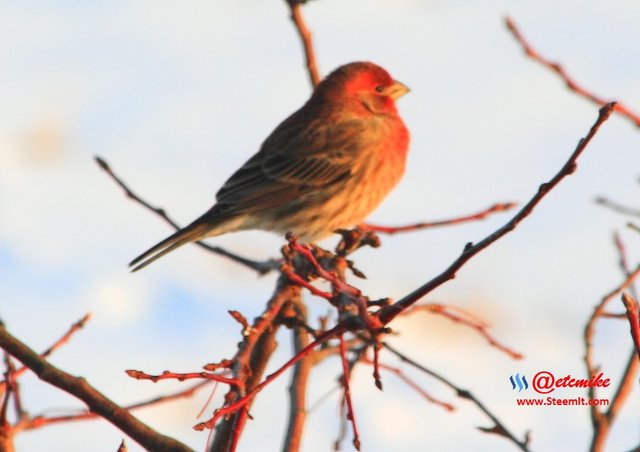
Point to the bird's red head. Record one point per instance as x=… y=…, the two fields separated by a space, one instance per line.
x=365 y=83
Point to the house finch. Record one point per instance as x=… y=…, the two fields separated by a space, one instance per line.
x=325 y=167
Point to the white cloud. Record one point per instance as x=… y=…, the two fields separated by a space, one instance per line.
x=118 y=299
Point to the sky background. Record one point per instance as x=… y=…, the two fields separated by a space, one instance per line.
x=176 y=95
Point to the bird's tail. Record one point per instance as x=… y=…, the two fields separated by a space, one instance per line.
x=197 y=230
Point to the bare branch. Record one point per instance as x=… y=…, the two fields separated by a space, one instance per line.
x=589 y=329
x=10 y=389
x=42 y=420
x=501 y=207
x=618 y=208
x=307 y=42
x=465 y=318
x=166 y=375
x=559 y=70
x=249 y=364
x=634 y=322
x=602 y=421
x=56 y=345
x=415 y=386
x=244 y=401
x=470 y=250
x=499 y=427
x=299 y=382
x=346 y=383
x=97 y=402
x=260 y=267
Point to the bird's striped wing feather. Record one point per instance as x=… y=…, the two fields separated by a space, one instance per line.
x=291 y=164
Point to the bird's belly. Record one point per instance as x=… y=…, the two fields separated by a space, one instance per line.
x=319 y=213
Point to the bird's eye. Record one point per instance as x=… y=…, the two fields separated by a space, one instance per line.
x=379 y=88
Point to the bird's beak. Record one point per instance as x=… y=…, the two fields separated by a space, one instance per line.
x=397 y=90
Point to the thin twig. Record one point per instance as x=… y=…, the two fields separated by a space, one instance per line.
x=10 y=386
x=559 y=70
x=377 y=379
x=43 y=420
x=249 y=364
x=346 y=382
x=623 y=261
x=499 y=427
x=242 y=402
x=602 y=421
x=340 y=287
x=16 y=396
x=628 y=380
x=287 y=270
x=56 y=345
x=500 y=207
x=465 y=318
x=299 y=381
x=412 y=384
x=589 y=329
x=260 y=267
x=616 y=207
x=634 y=322
x=166 y=375
x=307 y=42
x=470 y=250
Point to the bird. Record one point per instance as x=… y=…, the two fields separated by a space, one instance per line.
x=325 y=167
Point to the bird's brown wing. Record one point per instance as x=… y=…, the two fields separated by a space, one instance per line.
x=293 y=160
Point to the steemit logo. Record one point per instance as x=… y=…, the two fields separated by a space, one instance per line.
x=519 y=382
